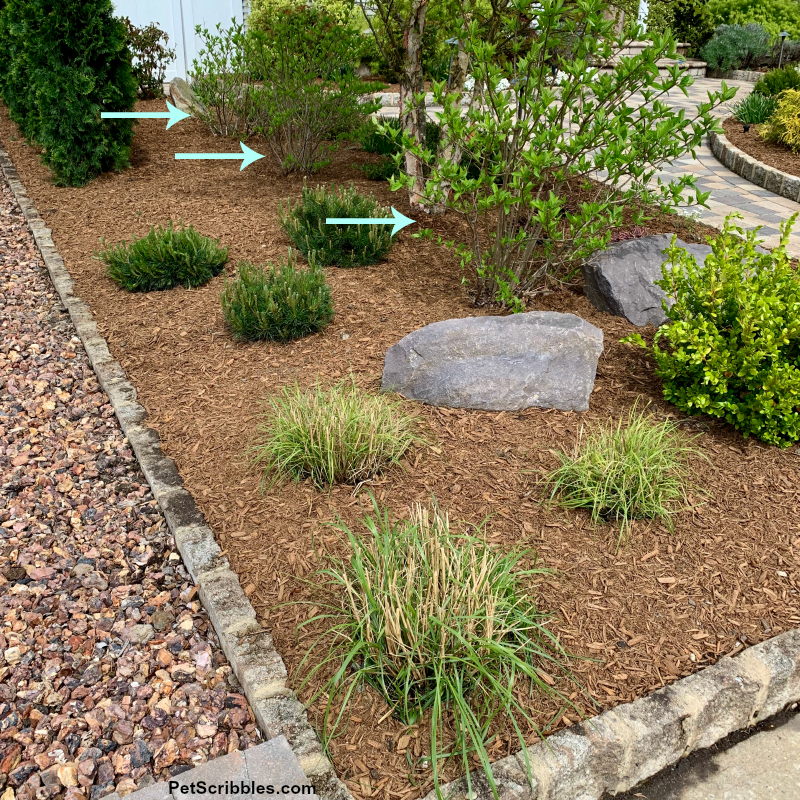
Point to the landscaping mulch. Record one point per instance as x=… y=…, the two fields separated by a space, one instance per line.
x=769 y=153
x=660 y=607
x=111 y=675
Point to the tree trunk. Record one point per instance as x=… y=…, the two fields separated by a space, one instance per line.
x=412 y=114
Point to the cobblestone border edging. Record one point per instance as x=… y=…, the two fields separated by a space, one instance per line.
x=770 y=178
x=620 y=748
x=249 y=649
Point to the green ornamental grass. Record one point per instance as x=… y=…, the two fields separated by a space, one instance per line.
x=636 y=469
x=337 y=245
x=440 y=624
x=280 y=303
x=753 y=109
x=165 y=258
x=341 y=434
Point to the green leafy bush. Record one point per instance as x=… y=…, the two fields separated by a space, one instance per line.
x=441 y=625
x=337 y=245
x=732 y=349
x=379 y=171
x=773 y=15
x=165 y=258
x=736 y=46
x=337 y=435
x=63 y=63
x=638 y=470
x=691 y=23
x=374 y=136
x=753 y=109
x=776 y=80
x=783 y=126
x=278 y=304
x=148 y=45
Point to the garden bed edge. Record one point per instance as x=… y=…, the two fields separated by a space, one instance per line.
x=258 y=667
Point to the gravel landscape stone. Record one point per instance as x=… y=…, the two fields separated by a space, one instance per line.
x=111 y=676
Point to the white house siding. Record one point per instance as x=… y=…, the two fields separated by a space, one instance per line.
x=178 y=19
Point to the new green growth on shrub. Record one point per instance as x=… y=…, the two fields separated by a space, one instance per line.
x=280 y=303
x=165 y=258
x=337 y=245
x=773 y=15
x=341 y=434
x=443 y=626
x=633 y=470
x=732 y=349
x=753 y=109
x=776 y=80
x=148 y=45
x=736 y=46
x=784 y=124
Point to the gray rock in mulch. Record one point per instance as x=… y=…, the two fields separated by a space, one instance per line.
x=183 y=96
x=541 y=358
x=621 y=279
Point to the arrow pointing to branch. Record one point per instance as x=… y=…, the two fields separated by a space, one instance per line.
x=398 y=220
x=173 y=115
x=248 y=158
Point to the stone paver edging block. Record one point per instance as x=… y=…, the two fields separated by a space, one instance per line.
x=770 y=178
x=622 y=747
x=249 y=649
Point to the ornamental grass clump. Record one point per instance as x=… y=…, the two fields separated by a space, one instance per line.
x=341 y=434
x=638 y=469
x=753 y=109
x=337 y=245
x=279 y=303
x=165 y=258
x=443 y=626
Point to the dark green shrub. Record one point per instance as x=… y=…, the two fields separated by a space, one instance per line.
x=151 y=57
x=278 y=304
x=68 y=62
x=380 y=170
x=337 y=245
x=736 y=46
x=732 y=349
x=776 y=80
x=374 y=141
x=753 y=109
x=692 y=23
x=165 y=258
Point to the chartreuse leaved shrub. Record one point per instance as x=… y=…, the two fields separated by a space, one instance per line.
x=443 y=626
x=784 y=124
x=636 y=470
x=339 y=434
x=165 y=258
x=279 y=303
x=732 y=347
x=337 y=245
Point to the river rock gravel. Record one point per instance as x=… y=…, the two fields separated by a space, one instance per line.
x=111 y=676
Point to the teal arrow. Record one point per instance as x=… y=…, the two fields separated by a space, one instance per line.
x=173 y=115
x=398 y=220
x=248 y=158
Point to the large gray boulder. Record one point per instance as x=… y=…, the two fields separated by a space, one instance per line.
x=183 y=97
x=621 y=279
x=541 y=358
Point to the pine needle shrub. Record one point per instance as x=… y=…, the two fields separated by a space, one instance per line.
x=280 y=303
x=638 y=469
x=440 y=624
x=783 y=126
x=337 y=245
x=777 y=80
x=732 y=349
x=165 y=258
x=341 y=434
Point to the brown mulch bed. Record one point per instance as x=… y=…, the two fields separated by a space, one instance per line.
x=659 y=608
x=769 y=153
x=111 y=675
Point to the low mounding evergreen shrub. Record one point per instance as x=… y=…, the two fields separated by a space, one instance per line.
x=165 y=258
x=783 y=126
x=753 y=109
x=337 y=245
x=736 y=46
x=732 y=349
x=337 y=435
x=278 y=304
x=61 y=64
x=776 y=80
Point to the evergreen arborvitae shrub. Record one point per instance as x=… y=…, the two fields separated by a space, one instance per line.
x=278 y=304
x=337 y=245
x=165 y=258
x=66 y=61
